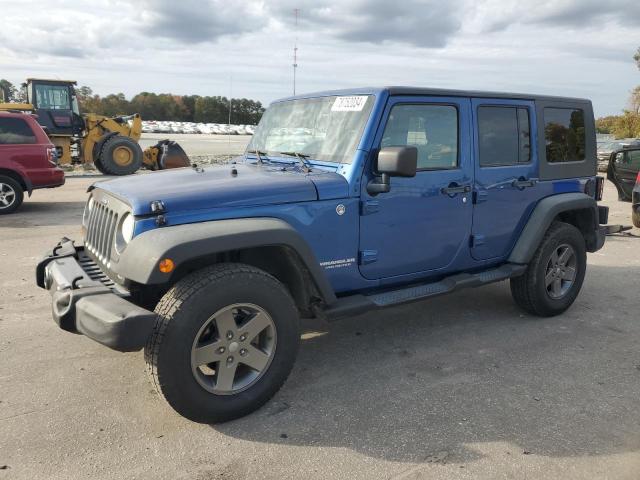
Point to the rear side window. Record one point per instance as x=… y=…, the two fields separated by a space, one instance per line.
x=431 y=128
x=504 y=136
x=564 y=135
x=15 y=131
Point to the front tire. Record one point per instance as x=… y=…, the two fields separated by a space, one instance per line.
x=225 y=340
x=555 y=274
x=119 y=155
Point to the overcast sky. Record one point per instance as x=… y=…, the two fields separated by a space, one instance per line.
x=565 y=47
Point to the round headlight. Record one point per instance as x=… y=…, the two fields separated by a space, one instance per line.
x=127 y=227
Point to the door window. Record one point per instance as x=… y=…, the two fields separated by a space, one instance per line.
x=504 y=136
x=15 y=131
x=431 y=128
x=634 y=159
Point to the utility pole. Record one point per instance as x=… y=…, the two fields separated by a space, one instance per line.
x=230 y=95
x=296 y=11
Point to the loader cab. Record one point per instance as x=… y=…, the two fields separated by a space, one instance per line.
x=56 y=105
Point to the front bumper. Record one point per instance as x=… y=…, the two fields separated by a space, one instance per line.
x=85 y=301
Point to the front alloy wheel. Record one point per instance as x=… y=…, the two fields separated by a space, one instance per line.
x=233 y=349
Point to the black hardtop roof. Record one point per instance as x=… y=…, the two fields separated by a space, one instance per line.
x=436 y=92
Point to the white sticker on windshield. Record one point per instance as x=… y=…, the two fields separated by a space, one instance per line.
x=353 y=103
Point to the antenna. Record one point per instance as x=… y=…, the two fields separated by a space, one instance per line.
x=296 y=11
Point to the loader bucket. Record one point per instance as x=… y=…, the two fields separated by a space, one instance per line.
x=166 y=154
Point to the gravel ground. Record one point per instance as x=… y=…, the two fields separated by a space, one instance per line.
x=463 y=386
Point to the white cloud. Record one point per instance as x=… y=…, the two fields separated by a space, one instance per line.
x=565 y=47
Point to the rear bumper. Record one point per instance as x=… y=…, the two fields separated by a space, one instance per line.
x=601 y=232
x=47 y=178
x=81 y=303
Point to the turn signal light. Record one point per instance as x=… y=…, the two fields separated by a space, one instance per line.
x=166 y=265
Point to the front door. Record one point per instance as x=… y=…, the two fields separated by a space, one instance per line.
x=423 y=223
x=506 y=174
x=626 y=165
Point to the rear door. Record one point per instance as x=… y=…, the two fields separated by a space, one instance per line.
x=626 y=165
x=423 y=223
x=506 y=168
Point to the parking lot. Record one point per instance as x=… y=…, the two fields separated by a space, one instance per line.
x=462 y=386
x=205 y=145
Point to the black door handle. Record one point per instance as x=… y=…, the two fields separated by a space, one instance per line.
x=523 y=183
x=453 y=189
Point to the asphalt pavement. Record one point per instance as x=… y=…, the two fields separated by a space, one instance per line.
x=464 y=386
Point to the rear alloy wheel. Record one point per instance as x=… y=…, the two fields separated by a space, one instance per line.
x=120 y=155
x=555 y=274
x=561 y=271
x=11 y=195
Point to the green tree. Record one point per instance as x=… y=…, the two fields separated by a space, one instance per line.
x=605 y=124
x=7 y=91
x=627 y=125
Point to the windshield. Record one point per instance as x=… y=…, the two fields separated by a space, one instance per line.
x=325 y=128
x=55 y=97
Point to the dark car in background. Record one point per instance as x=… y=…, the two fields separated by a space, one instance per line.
x=605 y=149
x=27 y=160
x=622 y=170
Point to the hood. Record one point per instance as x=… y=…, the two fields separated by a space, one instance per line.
x=186 y=189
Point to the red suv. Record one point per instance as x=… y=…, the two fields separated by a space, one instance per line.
x=27 y=160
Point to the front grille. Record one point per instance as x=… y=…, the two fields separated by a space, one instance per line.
x=101 y=230
x=101 y=227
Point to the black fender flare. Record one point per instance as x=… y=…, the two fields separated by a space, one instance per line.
x=541 y=218
x=183 y=243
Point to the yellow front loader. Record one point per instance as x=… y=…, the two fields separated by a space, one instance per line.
x=110 y=143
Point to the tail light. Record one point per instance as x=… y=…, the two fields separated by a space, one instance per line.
x=52 y=156
x=599 y=187
x=638 y=179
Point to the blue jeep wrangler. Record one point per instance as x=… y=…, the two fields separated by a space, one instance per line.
x=344 y=202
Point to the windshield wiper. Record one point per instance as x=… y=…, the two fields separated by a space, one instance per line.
x=302 y=158
x=259 y=154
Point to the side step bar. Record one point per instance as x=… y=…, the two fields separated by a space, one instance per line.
x=357 y=304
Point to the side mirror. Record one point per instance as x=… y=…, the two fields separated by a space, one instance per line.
x=398 y=161
x=393 y=162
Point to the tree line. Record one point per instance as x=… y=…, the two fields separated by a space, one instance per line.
x=159 y=106
x=179 y=108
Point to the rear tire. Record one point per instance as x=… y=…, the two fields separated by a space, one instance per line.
x=119 y=155
x=555 y=274
x=635 y=217
x=11 y=195
x=207 y=316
